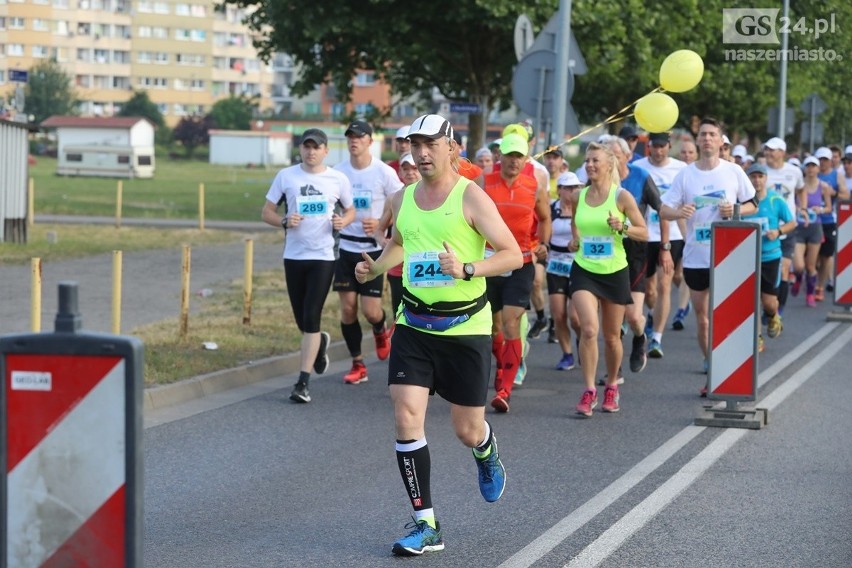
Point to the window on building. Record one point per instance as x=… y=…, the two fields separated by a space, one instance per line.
x=160 y=32
x=312 y=108
x=363 y=109
x=365 y=79
x=60 y=27
x=17 y=23
x=84 y=54
x=41 y=51
x=123 y=159
x=61 y=4
x=14 y=49
x=41 y=25
x=144 y=31
x=161 y=58
x=73 y=157
x=143 y=160
x=182 y=9
x=161 y=7
x=145 y=6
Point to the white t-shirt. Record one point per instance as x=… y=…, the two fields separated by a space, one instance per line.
x=663 y=177
x=371 y=186
x=315 y=197
x=786 y=180
x=706 y=189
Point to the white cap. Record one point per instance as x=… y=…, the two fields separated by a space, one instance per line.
x=482 y=152
x=739 y=150
x=823 y=152
x=726 y=140
x=432 y=126
x=568 y=178
x=748 y=158
x=848 y=150
x=402 y=132
x=811 y=160
x=795 y=161
x=775 y=144
x=406 y=158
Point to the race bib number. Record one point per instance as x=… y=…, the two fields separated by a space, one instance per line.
x=811 y=218
x=703 y=233
x=597 y=248
x=424 y=271
x=363 y=200
x=312 y=205
x=559 y=263
x=489 y=252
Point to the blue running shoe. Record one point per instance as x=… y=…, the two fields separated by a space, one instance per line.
x=649 y=326
x=422 y=538
x=680 y=315
x=566 y=363
x=521 y=374
x=492 y=474
x=655 y=349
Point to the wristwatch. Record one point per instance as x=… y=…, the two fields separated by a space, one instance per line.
x=469 y=270
x=666 y=246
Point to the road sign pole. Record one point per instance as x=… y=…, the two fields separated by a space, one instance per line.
x=560 y=103
x=813 y=121
x=734 y=324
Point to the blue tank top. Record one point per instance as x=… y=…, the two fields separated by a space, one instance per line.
x=831 y=179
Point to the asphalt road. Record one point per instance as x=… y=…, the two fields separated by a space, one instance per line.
x=251 y=479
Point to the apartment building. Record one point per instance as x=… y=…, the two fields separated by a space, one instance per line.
x=185 y=55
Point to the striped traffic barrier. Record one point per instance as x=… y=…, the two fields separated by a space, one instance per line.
x=843 y=256
x=734 y=323
x=70 y=431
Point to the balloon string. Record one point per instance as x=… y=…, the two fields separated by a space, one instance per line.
x=612 y=118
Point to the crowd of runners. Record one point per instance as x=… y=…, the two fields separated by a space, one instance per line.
x=579 y=255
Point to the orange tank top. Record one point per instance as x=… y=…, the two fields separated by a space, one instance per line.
x=516 y=205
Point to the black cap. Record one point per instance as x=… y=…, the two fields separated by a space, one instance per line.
x=554 y=150
x=628 y=132
x=659 y=138
x=359 y=128
x=316 y=135
x=457 y=137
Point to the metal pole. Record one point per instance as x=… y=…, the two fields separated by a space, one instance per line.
x=782 y=93
x=539 y=109
x=563 y=43
x=813 y=119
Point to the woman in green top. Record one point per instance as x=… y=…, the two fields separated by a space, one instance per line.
x=599 y=275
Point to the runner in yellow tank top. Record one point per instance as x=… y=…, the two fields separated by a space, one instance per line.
x=599 y=275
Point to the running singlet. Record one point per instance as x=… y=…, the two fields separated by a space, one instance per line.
x=831 y=179
x=423 y=234
x=772 y=212
x=559 y=259
x=516 y=206
x=601 y=250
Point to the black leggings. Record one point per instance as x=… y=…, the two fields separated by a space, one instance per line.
x=308 y=283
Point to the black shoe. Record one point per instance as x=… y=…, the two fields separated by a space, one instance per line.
x=638 y=358
x=300 y=393
x=551 y=331
x=321 y=362
x=536 y=328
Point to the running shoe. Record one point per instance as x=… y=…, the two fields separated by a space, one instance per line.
x=522 y=373
x=649 y=325
x=819 y=294
x=760 y=344
x=680 y=315
x=500 y=403
x=829 y=287
x=811 y=301
x=300 y=393
x=623 y=329
x=655 y=349
x=588 y=402
x=703 y=392
x=537 y=327
x=566 y=363
x=797 y=285
x=382 y=344
x=422 y=538
x=357 y=374
x=610 y=403
x=492 y=474
x=321 y=362
x=774 y=326
x=638 y=357
x=551 y=332
x=619 y=378
x=706 y=366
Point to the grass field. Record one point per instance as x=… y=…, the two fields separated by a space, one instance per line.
x=230 y=193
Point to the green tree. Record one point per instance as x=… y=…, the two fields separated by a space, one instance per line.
x=141 y=105
x=464 y=49
x=192 y=132
x=233 y=113
x=49 y=91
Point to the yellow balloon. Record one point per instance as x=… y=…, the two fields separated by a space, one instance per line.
x=681 y=71
x=656 y=112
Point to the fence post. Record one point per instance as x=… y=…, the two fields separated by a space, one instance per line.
x=116 y=291
x=201 y=206
x=184 y=290
x=118 y=195
x=31 y=202
x=35 y=295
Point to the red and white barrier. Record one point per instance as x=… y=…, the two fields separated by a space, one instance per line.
x=65 y=461
x=843 y=255
x=734 y=301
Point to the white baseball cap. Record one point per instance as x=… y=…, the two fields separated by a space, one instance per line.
x=726 y=140
x=482 y=152
x=823 y=152
x=568 y=178
x=795 y=161
x=748 y=158
x=810 y=160
x=432 y=126
x=402 y=132
x=775 y=144
x=848 y=150
x=739 y=150
x=407 y=158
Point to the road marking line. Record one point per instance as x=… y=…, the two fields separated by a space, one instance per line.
x=612 y=539
x=551 y=538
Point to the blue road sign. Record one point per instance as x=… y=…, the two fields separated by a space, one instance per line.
x=18 y=75
x=464 y=107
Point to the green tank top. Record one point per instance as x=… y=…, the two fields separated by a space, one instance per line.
x=601 y=250
x=423 y=234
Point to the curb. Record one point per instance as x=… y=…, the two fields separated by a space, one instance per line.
x=163 y=396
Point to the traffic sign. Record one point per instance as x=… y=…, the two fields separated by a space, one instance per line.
x=813 y=104
x=818 y=132
x=524 y=36
x=18 y=75
x=471 y=108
